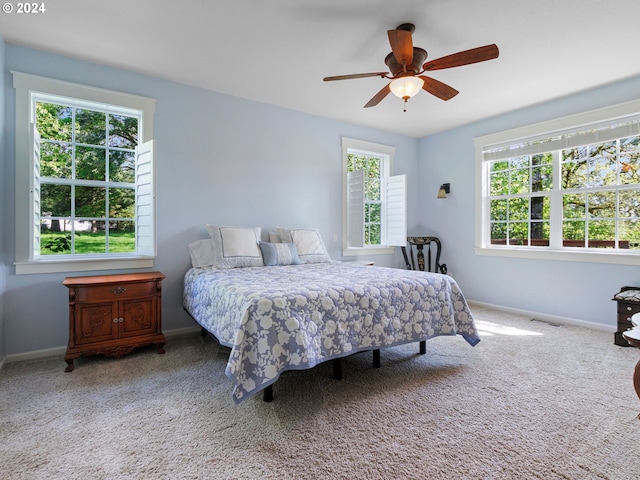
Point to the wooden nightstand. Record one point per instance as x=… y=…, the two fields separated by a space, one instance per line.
x=113 y=314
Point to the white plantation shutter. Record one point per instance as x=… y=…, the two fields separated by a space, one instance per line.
x=145 y=200
x=355 y=207
x=396 y=211
x=35 y=191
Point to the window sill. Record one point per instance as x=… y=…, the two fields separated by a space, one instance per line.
x=82 y=264
x=356 y=252
x=568 y=255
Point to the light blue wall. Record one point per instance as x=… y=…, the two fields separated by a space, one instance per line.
x=220 y=159
x=567 y=289
x=226 y=160
x=3 y=200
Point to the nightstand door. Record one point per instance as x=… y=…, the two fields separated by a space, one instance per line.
x=138 y=317
x=96 y=322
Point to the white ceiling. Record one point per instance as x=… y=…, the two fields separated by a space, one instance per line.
x=278 y=51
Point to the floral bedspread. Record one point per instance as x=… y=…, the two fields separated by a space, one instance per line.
x=294 y=317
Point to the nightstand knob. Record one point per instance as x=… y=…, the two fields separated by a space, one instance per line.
x=115 y=320
x=119 y=290
x=121 y=320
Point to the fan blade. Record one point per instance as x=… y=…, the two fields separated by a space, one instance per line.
x=437 y=88
x=475 y=55
x=401 y=45
x=377 y=98
x=355 y=75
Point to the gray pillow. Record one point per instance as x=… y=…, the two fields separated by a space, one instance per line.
x=279 y=254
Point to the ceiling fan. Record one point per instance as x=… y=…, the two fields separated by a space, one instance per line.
x=407 y=64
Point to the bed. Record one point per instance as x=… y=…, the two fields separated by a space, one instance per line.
x=294 y=316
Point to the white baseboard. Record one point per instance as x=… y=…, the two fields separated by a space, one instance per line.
x=52 y=352
x=47 y=352
x=176 y=332
x=548 y=318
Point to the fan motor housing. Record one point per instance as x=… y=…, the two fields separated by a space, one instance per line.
x=397 y=69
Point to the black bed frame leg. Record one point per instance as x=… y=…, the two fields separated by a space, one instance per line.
x=423 y=347
x=337 y=368
x=267 y=394
x=376 y=358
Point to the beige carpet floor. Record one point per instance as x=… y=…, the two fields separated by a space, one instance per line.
x=532 y=400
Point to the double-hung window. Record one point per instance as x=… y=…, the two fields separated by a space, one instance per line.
x=375 y=202
x=566 y=189
x=85 y=177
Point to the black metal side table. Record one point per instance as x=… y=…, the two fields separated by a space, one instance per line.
x=420 y=242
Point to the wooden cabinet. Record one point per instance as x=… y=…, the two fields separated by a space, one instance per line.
x=113 y=314
x=627 y=307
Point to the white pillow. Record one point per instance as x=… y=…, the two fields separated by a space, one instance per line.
x=201 y=253
x=235 y=246
x=308 y=242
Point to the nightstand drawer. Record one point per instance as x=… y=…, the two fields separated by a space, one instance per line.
x=624 y=323
x=625 y=317
x=114 y=292
x=629 y=308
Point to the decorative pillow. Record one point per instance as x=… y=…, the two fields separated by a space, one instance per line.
x=201 y=252
x=279 y=254
x=235 y=246
x=274 y=237
x=308 y=243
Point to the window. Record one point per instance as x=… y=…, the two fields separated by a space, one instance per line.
x=519 y=200
x=374 y=200
x=82 y=152
x=572 y=191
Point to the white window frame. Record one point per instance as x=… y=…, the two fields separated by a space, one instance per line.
x=541 y=130
x=394 y=203
x=26 y=262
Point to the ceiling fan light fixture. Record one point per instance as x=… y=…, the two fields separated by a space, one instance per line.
x=407 y=63
x=406 y=87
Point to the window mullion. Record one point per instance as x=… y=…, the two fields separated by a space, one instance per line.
x=555 y=236
x=72 y=219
